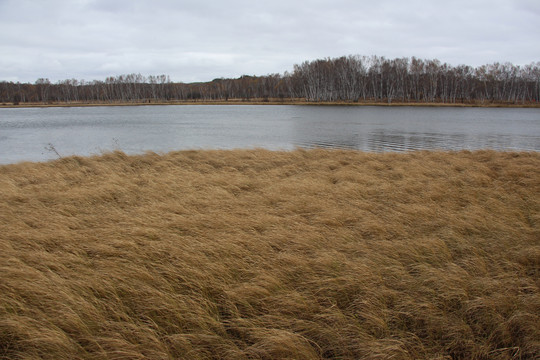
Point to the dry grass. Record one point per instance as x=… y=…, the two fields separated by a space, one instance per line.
x=253 y=254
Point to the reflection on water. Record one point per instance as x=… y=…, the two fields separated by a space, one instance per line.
x=407 y=129
x=25 y=133
x=381 y=141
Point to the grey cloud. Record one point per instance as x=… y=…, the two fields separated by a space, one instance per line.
x=198 y=41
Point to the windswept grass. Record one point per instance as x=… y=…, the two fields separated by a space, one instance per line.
x=253 y=254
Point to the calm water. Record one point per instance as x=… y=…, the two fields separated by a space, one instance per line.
x=26 y=133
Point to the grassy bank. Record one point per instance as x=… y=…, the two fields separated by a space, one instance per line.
x=253 y=254
x=275 y=102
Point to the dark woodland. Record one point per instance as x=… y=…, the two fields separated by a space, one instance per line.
x=352 y=78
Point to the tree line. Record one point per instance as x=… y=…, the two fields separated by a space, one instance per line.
x=348 y=78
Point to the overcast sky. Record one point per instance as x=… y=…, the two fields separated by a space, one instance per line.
x=200 y=40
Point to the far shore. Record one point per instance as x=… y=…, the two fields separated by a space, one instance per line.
x=260 y=101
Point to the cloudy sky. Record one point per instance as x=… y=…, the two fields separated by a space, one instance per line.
x=197 y=40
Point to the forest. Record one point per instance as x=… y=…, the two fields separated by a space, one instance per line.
x=352 y=78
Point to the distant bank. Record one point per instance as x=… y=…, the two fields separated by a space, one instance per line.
x=274 y=101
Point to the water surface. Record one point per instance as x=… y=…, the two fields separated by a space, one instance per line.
x=25 y=133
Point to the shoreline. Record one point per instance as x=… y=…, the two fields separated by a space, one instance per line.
x=299 y=102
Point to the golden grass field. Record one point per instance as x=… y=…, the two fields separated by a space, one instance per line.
x=254 y=254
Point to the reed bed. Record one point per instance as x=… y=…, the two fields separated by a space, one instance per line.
x=254 y=254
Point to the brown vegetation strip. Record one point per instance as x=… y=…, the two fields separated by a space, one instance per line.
x=274 y=101
x=253 y=254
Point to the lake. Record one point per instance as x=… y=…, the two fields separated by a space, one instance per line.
x=28 y=133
